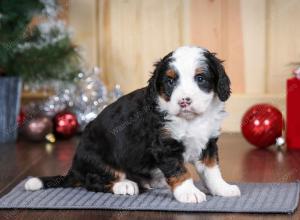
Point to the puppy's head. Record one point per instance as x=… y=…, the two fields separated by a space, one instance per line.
x=187 y=80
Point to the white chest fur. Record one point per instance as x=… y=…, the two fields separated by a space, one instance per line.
x=194 y=134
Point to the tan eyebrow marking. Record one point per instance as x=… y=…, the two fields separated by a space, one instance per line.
x=171 y=73
x=199 y=71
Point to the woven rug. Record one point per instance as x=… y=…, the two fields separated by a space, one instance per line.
x=255 y=198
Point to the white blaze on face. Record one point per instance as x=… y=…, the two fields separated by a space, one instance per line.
x=186 y=61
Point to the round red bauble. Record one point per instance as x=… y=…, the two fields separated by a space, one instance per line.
x=262 y=124
x=65 y=124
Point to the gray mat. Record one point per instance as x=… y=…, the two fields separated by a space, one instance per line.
x=256 y=198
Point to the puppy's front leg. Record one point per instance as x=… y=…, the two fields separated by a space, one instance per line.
x=181 y=182
x=209 y=169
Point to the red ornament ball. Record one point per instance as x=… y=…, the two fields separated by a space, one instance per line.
x=262 y=124
x=65 y=124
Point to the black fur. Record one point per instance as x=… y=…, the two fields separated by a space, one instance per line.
x=159 y=82
x=207 y=83
x=127 y=136
x=222 y=86
x=211 y=151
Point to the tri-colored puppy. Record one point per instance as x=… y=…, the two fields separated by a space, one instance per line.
x=146 y=137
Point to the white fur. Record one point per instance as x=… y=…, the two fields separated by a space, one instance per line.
x=186 y=61
x=202 y=122
x=187 y=192
x=206 y=112
x=33 y=184
x=125 y=187
x=215 y=182
x=195 y=133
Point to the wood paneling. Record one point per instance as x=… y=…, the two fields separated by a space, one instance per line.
x=134 y=34
x=216 y=25
x=238 y=104
x=254 y=40
x=258 y=39
x=83 y=20
x=283 y=42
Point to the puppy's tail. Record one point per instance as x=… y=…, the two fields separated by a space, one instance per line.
x=37 y=183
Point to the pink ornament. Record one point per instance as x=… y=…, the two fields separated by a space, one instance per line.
x=37 y=128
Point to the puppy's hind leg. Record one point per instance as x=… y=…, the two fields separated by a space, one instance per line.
x=37 y=183
x=110 y=180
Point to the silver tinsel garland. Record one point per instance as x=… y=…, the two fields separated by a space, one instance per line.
x=86 y=98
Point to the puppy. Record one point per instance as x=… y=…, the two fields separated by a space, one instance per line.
x=145 y=138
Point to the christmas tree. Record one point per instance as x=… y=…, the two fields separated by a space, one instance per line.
x=36 y=52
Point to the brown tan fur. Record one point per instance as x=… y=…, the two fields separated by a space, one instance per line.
x=177 y=180
x=165 y=133
x=209 y=161
x=119 y=175
x=171 y=73
x=199 y=71
x=161 y=93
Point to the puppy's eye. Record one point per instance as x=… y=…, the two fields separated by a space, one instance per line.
x=200 y=79
x=171 y=82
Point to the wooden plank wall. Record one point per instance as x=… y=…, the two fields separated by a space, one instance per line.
x=283 y=42
x=217 y=26
x=253 y=15
x=84 y=23
x=135 y=34
x=258 y=39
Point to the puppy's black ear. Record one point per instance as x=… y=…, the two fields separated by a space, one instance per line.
x=154 y=81
x=222 y=86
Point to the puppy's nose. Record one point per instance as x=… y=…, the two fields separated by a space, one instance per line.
x=184 y=102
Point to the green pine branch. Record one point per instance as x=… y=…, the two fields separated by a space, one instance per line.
x=29 y=53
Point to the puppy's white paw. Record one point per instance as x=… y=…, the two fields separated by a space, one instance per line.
x=33 y=184
x=125 y=187
x=187 y=192
x=226 y=190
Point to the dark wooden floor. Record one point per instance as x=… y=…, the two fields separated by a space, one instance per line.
x=240 y=162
